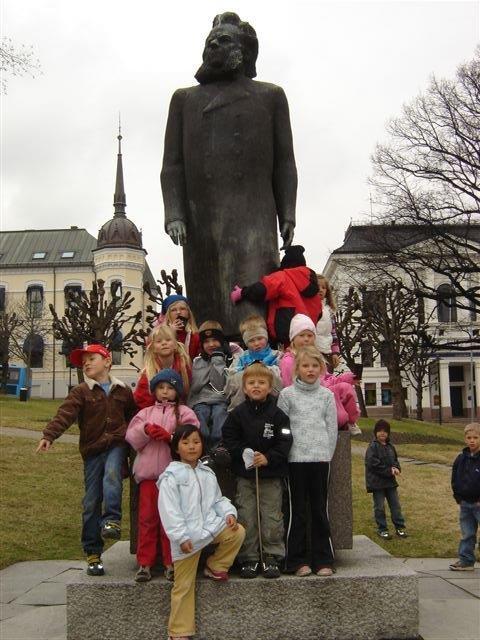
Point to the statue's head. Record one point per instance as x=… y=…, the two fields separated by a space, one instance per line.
x=231 y=50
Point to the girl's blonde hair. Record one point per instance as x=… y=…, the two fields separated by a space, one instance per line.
x=191 y=325
x=329 y=297
x=152 y=367
x=309 y=352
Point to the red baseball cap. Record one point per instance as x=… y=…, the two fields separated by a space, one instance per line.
x=76 y=357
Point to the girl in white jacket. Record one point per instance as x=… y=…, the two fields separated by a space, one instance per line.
x=194 y=514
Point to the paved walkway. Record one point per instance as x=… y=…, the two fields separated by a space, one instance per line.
x=33 y=601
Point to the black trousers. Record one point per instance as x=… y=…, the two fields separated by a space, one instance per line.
x=309 y=487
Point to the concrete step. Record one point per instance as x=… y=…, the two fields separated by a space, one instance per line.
x=372 y=596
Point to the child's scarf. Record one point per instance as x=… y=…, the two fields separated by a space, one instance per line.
x=265 y=356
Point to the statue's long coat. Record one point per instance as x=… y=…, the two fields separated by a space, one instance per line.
x=228 y=173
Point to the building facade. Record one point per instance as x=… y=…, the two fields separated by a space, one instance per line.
x=452 y=387
x=39 y=267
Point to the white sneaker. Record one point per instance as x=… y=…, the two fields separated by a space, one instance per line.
x=354 y=429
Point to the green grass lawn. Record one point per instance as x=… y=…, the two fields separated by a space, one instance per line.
x=40 y=500
x=34 y=414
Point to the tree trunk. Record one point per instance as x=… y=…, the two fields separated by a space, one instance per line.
x=399 y=404
x=361 y=401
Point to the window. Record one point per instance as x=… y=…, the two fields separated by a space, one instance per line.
x=367 y=354
x=67 y=254
x=69 y=291
x=116 y=291
x=39 y=255
x=35 y=300
x=446 y=309
x=370 y=394
x=386 y=394
x=33 y=347
x=2 y=299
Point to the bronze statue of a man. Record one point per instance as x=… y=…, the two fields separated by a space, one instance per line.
x=228 y=173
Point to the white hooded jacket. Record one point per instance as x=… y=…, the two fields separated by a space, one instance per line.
x=191 y=506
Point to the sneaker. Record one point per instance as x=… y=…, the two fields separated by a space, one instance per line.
x=303 y=571
x=461 y=566
x=143 y=575
x=354 y=429
x=401 y=533
x=169 y=573
x=95 y=565
x=249 y=570
x=219 y=576
x=383 y=533
x=325 y=572
x=111 y=530
x=270 y=568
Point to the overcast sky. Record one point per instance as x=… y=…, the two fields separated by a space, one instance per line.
x=346 y=67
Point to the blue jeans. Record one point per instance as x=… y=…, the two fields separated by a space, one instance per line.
x=103 y=484
x=469 y=521
x=391 y=495
x=216 y=414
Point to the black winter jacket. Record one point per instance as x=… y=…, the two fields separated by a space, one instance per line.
x=466 y=476
x=379 y=460
x=263 y=427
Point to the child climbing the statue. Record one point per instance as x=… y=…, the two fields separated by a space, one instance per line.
x=257 y=436
x=150 y=433
x=255 y=336
x=209 y=375
x=313 y=421
x=177 y=315
x=103 y=406
x=194 y=514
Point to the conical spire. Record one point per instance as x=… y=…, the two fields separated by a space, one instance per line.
x=119 y=200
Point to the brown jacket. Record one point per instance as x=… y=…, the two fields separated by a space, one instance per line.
x=102 y=419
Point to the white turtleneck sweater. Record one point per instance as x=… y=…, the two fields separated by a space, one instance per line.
x=313 y=421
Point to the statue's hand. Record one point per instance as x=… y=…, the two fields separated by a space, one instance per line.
x=177 y=232
x=287 y=231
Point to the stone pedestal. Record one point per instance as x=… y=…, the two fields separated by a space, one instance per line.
x=372 y=596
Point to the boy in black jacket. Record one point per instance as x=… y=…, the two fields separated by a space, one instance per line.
x=257 y=435
x=381 y=470
x=466 y=491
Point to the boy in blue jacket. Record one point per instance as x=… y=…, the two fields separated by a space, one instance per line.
x=466 y=491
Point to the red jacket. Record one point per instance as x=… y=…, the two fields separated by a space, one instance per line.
x=141 y=394
x=193 y=345
x=287 y=291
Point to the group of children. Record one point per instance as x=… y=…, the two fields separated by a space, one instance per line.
x=277 y=413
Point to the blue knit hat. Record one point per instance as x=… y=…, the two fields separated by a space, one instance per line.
x=173 y=378
x=175 y=297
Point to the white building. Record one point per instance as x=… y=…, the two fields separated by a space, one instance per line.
x=452 y=389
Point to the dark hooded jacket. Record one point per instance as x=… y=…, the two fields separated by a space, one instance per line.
x=287 y=292
x=466 y=476
x=379 y=460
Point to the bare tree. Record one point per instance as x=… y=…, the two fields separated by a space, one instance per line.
x=427 y=179
x=9 y=323
x=17 y=60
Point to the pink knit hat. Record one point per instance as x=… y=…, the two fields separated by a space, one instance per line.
x=300 y=323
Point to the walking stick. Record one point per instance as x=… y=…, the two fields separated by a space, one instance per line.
x=258 y=516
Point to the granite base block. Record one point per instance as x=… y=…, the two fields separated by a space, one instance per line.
x=340 y=509
x=372 y=596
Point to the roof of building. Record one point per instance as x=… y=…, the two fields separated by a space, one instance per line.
x=367 y=238
x=18 y=248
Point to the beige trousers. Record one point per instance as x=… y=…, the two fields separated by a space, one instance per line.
x=182 y=608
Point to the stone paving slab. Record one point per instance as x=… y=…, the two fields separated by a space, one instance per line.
x=45 y=593
x=444 y=619
x=67 y=576
x=434 y=587
x=12 y=610
x=472 y=586
x=39 y=623
x=23 y=576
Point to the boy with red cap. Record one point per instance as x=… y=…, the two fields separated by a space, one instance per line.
x=103 y=407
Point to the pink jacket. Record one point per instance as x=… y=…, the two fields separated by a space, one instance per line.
x=153 y=456
x=328 y=380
